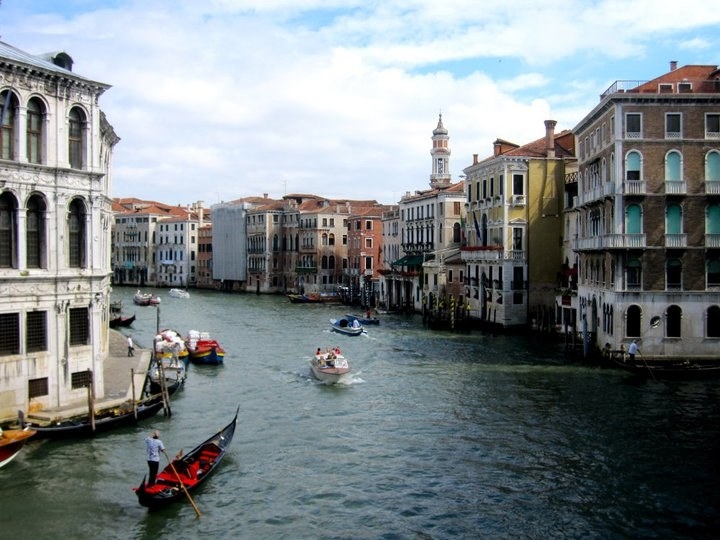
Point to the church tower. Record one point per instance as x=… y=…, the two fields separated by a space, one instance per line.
x=440 y=156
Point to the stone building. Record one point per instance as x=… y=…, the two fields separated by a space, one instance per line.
x=648 y=233
x=55 y=220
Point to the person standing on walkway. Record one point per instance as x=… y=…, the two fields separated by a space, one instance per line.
x=131 y=346
x=154 y=446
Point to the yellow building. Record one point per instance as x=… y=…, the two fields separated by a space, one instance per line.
x=514 y=228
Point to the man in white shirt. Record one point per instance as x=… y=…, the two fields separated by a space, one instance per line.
x=154 y=446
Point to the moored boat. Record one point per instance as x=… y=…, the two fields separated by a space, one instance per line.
x=179 y=293
x=145 y=299
x=671 y=369
x=105 y=420
x=11 y=442
x=186 y=473
x=330 y=366
x=347 y=327
x=364 y=320
x=203 y=349
x=303 y=299
x=169 y=344
x=121 y=322
x=168 y=372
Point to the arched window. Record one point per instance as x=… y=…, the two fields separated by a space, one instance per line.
x=324 y=262
x=633 y=163
x=8 y=238
x=673 y=274
x=612 y=167
x=331 y=262
x=712 y=328
x=632 y=321
x=76 y=138
x=713 y=273
x=276 y=243
x=712 y=219
x=8 y=106
x=331 y=239
x=673 y=219
x=712 y=166
x=456 y=233
x=35 y=242
x=633 y=219
x=324 y=239
x=76 y=234
x=673 y=166
x=35 y=131
x=673 y=319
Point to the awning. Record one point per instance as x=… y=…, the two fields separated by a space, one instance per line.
x=411 y=260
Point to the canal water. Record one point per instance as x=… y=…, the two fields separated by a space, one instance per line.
x=435 y=436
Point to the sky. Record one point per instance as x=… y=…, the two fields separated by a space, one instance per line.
x=215 y=100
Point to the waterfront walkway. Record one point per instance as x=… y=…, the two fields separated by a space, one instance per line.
x=116 y=381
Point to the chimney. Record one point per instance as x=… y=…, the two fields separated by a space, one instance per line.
x=550 y=138
x=673 y=65
x=497 y=148
x=475 y=160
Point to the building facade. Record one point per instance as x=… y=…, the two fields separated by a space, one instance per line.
x=55 y=220
x=649 y=215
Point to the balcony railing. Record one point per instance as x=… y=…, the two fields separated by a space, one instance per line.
x=676 y=240
x=712 y=187
x=712 y=240
x=611 y=241
x=635 y=187
x=676 y=188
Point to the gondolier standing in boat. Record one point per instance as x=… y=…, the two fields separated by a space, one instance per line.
x=633 y=350
x=154 y=446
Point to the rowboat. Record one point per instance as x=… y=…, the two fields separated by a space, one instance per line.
x=121 y=322
x=145 y=299
x=203 y=349
x=347 y=327
x=179 y=293
x=186 y=473
x=671 y=369
x=11 y=442
x=105 y=420
x=330 y=367
x=168 y=372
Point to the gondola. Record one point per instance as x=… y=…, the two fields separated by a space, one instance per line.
x=124 y=415
x=189 y=471
x=671 y=369
x=121 y=322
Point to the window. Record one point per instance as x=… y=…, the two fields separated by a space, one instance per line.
x=673 y=166
x=81 y=379
x=34 y=131
x=712 y=126
x=37 y=388
x=9 y=334
x=36 y=331
x=712 y=328
x=633 y=126
x=673 y=219
x=518 y=184
x=712 y=166
x=632 y=166
x=79 y=326
x=517 y=238
x=368 y=243
x=8 y=240
x=368 y=263
x=76 y=121
x=35 y=232
x=673 y=319
x=713 y=273
x=673 y=126
x=673 y=274
x=8 y=106
x=368 y=225
x=76 y=234
x=633 y=219
x=633 y=274
x=632 y=321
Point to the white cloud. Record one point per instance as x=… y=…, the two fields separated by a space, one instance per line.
x=221 y=99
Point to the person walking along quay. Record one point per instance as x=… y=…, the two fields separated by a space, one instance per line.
x=131 y=346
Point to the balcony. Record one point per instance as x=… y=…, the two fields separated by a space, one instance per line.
x=675 y=188
x=712 y=187
x=635 y=187
x=518 y=200
x=610 y=241
x=712 y=240
x=676 y=240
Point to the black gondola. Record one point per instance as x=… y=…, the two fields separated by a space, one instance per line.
x=121 y=322
x=671 y=369
x=124 y=415
x=189 y=471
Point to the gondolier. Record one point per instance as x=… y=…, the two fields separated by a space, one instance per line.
x=633 y=350
x=154 y=446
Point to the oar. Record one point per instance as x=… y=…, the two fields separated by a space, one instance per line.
x=646 y=365
x=197 y=510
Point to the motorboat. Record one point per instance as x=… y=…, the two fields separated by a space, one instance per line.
x=330 y=366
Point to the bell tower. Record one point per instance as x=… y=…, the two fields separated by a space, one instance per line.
x=440 y=156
